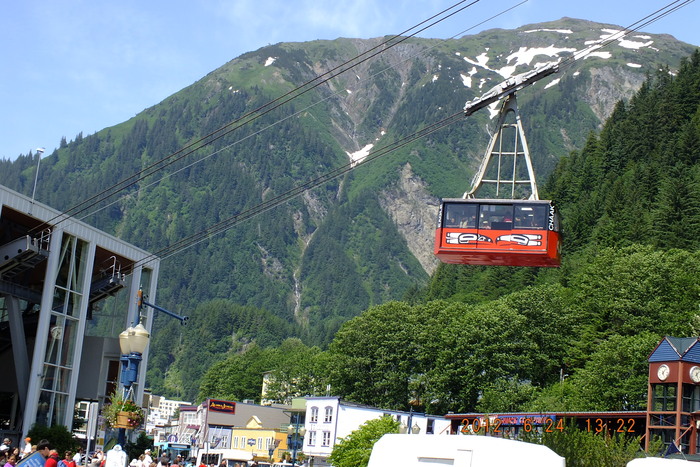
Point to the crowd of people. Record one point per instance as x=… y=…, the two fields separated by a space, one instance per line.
x=116 y=457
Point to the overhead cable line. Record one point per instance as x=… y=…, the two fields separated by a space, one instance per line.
x=296 y=191
x=335 y=173
x=299 y=112
x=260 y=111
x=634 y=27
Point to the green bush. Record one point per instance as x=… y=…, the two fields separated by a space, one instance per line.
x=60 y=438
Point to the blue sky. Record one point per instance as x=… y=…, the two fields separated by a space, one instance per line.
x=83 y=65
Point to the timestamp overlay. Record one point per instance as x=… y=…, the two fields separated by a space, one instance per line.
x=505 y=426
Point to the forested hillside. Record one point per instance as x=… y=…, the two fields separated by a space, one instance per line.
x=362 y=239
x=572 y=339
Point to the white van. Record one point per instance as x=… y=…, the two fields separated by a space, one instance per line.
x=459 y=451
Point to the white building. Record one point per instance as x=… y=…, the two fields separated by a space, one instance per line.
x=162 y=410
x=328 y=419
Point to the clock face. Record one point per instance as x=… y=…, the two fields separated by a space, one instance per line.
x=695 y=374
x=56 y=332
x=663 y=372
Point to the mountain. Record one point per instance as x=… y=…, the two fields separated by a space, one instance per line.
x=362 y=238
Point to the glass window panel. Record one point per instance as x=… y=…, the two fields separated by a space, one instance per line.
x=496 y=216
x=59 y=408
x=70 y=329
x=59 y=300
x=73 y=305
x=64 y=261
x=663 y=420
x=666 y=435
x=55 y=378
x=48 y=378
x=63 y=379
x=54 y=339
x=530 y=216
x=44 y=408
x=664 y=397
x=460 y=215
x=79 y=266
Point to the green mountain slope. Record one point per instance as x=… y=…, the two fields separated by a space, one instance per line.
x=355 y=241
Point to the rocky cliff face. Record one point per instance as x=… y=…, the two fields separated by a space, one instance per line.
x=414 y=211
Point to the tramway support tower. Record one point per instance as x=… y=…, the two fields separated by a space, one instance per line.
x=508 y=225
x=507 y=158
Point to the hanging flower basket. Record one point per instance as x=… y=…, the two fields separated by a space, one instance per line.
x=126 y=420
x=122 y=412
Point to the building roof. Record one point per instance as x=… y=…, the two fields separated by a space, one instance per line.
x=674 y=349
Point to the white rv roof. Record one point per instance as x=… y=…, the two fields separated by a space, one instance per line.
x=459 y=451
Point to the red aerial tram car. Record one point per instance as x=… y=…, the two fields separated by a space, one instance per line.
x=498 y=232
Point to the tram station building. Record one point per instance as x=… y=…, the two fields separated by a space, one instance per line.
x=67 y=290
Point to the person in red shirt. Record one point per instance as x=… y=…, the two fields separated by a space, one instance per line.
x=53 y=459
x=67 y=460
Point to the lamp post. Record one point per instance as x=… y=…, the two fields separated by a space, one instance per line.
x=295 y=438
x=410 y=427
x=132 y=342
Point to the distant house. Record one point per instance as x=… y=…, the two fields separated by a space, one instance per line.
x=218 y=424
x=328 y=419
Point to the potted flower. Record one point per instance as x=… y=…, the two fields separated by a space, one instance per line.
x=122 y=412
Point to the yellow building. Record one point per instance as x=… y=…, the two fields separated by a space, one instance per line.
x=263 y=442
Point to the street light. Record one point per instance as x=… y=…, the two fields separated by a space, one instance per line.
x=295 y=440
x=410 y=427
x=132 y=342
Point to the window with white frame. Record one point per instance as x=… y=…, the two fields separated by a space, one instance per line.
x=314 y=414
x=326 y=438
x=312 y=438
x=329 y=415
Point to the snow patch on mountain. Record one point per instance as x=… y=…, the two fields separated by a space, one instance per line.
x=598 y=55
x=552 y=83
x=616 y=34
x=523 y=56
x=358 y=156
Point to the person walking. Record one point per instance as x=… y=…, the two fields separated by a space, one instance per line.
x=78 y=457
x=44 y=447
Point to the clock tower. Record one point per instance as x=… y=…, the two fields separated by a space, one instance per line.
x=673 y=405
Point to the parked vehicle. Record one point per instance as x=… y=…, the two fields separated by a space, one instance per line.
x=460 y=451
